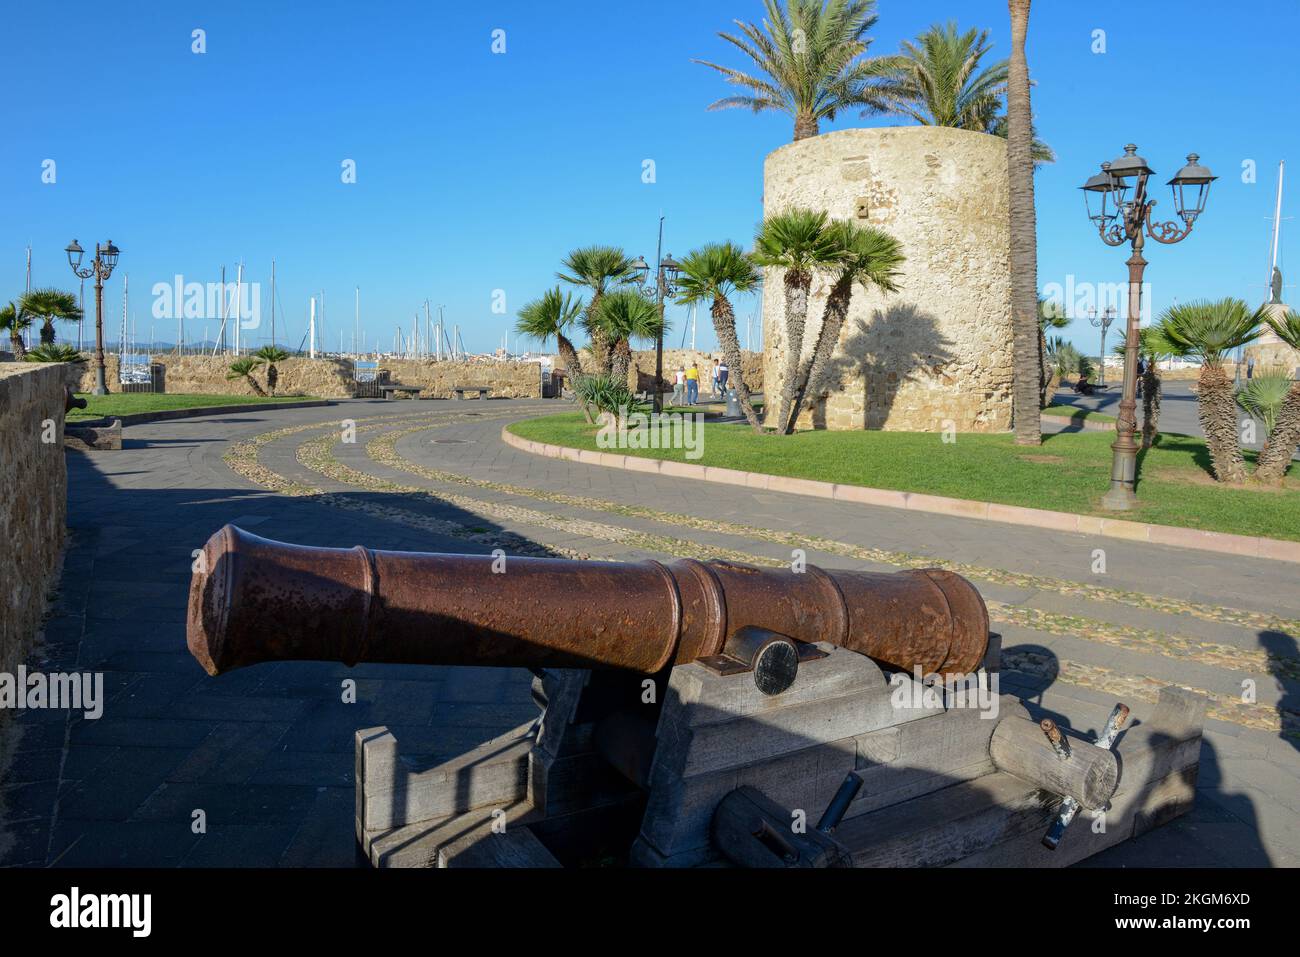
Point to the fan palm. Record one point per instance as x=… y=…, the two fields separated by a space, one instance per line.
x=271 y=355
x=1209 y=331
x=597 y=268
x=624 y=315
x=1027 y=363
x=244 y=369
x=868 y=257
x=810 y=61
x=550 y=317
x=1275 y=456
x=15 y=322
x=48 y=352
x=1051 y=315
x=712 y=273
x=1263 y=395
x=49 y=305
x=797 y=242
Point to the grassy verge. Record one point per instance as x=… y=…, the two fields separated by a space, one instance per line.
x=130 y=403
x=1074 y=412
x=1068 y=473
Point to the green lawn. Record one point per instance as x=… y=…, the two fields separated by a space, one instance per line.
x=1069 y=473
x=1074 y=412
x=130 y=403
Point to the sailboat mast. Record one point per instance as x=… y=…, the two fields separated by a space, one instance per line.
x=273 y=302
x=1277 y=221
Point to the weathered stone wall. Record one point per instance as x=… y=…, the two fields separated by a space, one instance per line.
x=333 y=378
x=509 y=380
x=641 y=375
x=33 y=508
x=939 y=349
x=206 y=375
x=87 y=382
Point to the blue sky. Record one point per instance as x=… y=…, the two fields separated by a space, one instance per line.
x=477 y=171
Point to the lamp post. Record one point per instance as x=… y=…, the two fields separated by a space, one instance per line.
x=1123 y=215
x=101 y=268
x=666 y=271
x=1103 y=324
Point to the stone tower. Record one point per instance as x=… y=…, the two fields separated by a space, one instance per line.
x=939 y=350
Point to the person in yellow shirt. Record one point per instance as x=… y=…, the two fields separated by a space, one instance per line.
x=692 y=384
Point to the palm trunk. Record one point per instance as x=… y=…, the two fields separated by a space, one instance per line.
x=601 y=347
x=1217 y=407
x=1150 y=404
x=573 y=367
x=1044 y=370
x=797 y=284
x=805 y=126
x=834 y=313
x=47 y=332
x=724 y=325
x=1275 y=456
x=16 y=344
x=620 y=360
x=1027 y=361
x=257 y=387
x=272 y=377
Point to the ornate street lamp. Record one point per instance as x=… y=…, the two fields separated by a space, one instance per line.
x=665 y=285
x=1117 y=204
x=1107 y=317
x=101 y=268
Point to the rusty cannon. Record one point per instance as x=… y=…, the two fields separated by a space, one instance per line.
x=695 y=712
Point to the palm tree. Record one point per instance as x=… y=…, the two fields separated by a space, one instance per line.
x=550 y=317
x=596 y=268
x=1210 y=331
x=810 y=61
x=244 y=369
x=1275 y=456
x=713 y=272
x=867 y=257
x=940 y=80
x=271 y=355
x=15 y=321
x=1051 y=315
x=48 y=305
x=797 y=242
x=1026 y=362
x=49 y=352
x=624 y=315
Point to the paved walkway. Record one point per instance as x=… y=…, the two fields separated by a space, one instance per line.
x=266 y=753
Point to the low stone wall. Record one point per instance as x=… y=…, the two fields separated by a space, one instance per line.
x=33 y=509
x=206 y=375
x=333 y=378
x=507 y=380
x=641 y=375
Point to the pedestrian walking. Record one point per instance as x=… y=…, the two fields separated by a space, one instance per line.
x=713 y=382
x=723 y=374
x=679 y=386
x=692 y=384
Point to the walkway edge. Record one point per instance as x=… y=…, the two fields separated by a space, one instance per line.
x=1227 y=543
x=139 y=418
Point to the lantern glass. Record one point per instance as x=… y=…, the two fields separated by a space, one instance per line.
x=1191 y=188
x=75 y=252
x=639 y=270
x=670 y=267
x=108 y=254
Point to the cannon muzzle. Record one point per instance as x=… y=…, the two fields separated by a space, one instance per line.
x=254 y=600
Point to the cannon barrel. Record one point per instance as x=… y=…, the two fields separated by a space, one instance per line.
x=253 y=600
